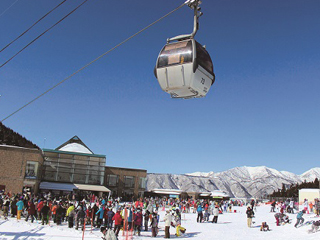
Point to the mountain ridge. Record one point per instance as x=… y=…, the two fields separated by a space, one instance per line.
x=239 y=182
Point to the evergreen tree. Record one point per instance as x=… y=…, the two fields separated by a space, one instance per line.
x=12 y=138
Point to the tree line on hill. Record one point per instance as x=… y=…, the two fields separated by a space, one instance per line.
x=293 y=190
x=12 y=138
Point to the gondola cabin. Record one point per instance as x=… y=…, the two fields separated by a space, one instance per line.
x=184 y=69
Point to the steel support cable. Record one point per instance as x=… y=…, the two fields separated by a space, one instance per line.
x=43 y=33
x=8 y=8
x=33 y=25
x=96 y=59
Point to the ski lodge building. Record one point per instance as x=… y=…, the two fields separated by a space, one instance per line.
x=70 y=168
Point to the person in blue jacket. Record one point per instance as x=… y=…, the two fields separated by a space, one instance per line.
x=300 y=219
x=129 y=219
x=20 y=207
x=110 y=214
x=100 y=214
x=200 y=214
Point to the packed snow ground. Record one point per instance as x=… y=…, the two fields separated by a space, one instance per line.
x=230 y=226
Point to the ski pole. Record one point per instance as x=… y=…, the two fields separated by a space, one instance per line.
x=91 y=220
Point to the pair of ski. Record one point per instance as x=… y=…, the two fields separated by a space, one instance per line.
x=305 y=224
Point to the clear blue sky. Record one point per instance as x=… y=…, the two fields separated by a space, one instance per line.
x=263 y=109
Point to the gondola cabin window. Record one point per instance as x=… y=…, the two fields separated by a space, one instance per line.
x=175 y=53
x=204 y=59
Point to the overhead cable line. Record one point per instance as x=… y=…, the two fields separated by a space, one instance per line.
x=33 y=25
x=8 y=8
x=96 y=59
x=43 y=33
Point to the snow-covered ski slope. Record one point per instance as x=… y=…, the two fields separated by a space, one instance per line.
x=230 y=226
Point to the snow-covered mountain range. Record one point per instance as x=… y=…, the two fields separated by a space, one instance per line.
x=240 y=182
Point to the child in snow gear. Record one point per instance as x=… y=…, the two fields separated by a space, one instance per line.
x=70 y=214
x=167 y=218
x=108 y=234
x=110 y=214
x=264 y=227
x=31 y=211
x=138 y=221
x=215 y=214
x=80 y=218
x=59 y=213
x=154 y=224
x=6 y=205
x=117 y=222
x=273 y=205
x=45 y=213
x=100 y=214
x=200 y=214
x=280 y=218
x=300 y=219
x=20 y=207
x=285 y=219
x=315 y=226
x=146 y=220
x=250 y=215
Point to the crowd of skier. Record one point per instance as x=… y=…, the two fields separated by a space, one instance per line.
x=108 y=214
x=290 y=207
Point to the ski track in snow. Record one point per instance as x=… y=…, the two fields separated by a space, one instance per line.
x=230 y=226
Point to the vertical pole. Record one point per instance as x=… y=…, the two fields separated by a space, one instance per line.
x=84 y=228
x=125 y=222
x=91 y=219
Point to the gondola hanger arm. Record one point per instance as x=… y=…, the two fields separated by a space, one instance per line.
x=193 y=4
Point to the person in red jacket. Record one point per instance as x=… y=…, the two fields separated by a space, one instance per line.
x=89 y=213
x=54 y=211
x=39 y=207
x=31 y=210
x=117 y=222
x=138 y=221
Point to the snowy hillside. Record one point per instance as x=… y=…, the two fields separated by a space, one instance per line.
x=200 y=174
x=241 y=182
x=311 y=174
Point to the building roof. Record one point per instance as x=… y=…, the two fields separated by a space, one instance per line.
x=72 y=186
x=309 y=190
x=127 y=169
x=74 y=145
x=167 y=191
x=75 y=153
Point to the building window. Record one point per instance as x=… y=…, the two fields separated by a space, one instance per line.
x=142 y=182
x=95 y=180
x=128 y=181
x=31 y=170
x=79 y=178
x=115 y=193
x=112 y=180
x=64 y=176
x=140 y=194
x=49 y=176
